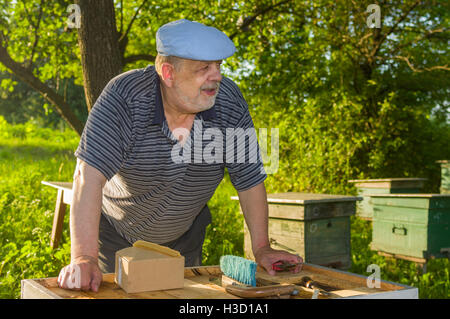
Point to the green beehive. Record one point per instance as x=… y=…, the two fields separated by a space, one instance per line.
x=411 y=225
x=314 y=226
x=364 y=209
x=445 y=176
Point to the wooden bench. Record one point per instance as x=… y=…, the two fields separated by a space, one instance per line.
x=63 y=199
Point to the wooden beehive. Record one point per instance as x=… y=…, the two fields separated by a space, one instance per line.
x=412 y=225
x=315 y=226
x=364 y=187
x=445 y=176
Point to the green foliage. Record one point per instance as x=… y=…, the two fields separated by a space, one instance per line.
x=225 y=234
x=349 y=102
x=22 y=105
x=35 y=34
x=29 y=155
x=323 y=145
x=345 y=101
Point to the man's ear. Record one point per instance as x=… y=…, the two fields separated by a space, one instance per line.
x=167 y=74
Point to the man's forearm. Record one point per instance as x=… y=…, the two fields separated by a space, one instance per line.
x=254 y=206
x=85 y=210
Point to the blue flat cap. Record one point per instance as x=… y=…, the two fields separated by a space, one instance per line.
x=193 y=40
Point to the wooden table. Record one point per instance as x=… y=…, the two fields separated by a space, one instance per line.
x=201 y=283
x=63 y=199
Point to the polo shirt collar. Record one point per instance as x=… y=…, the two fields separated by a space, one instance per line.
x=159 y=117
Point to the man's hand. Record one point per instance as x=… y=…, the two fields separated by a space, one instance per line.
x=266 y=257
x=83 y=273
x=254 y=206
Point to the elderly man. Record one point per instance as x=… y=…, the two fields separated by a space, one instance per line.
x=127 y=186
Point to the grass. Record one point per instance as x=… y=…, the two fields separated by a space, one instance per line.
x=435 y=283
x=29 y=155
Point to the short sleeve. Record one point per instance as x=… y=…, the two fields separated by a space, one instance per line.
x=243 y=159
x=107 y=134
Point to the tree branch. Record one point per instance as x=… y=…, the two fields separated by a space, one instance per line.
x=392 y=29
x=251 y=19
x=49 y=94
x=414 y=69
x=138 y=57
x=36 y=36
x=27 y=14
x=124 y=35
x=426 y=35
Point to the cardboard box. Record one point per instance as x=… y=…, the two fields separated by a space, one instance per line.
x=140 y=269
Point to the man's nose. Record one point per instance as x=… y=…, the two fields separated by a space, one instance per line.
x=215 y=73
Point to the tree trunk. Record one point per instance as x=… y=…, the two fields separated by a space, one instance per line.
x=101 y=58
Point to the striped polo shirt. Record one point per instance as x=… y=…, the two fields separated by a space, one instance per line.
x=155 y=186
